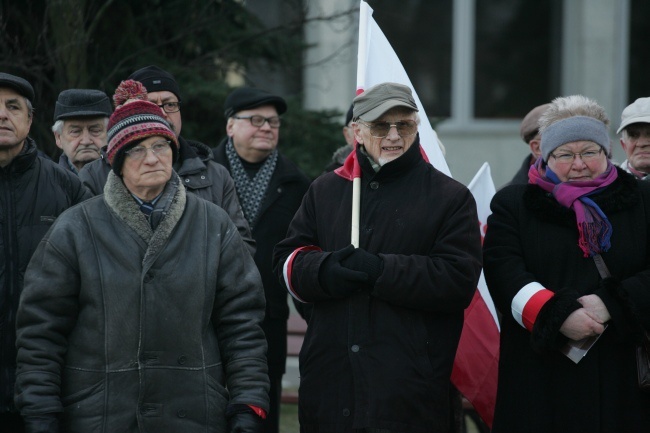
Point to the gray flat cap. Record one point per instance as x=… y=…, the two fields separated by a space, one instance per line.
x=82 y=103
x=380 y=98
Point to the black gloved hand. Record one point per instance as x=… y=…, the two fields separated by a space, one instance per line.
x=242 y=419
x=363 y=261
x=338 y=280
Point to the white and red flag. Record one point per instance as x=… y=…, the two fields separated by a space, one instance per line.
x=477 y=358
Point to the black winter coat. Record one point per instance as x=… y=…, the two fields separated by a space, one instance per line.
x=200 y=175
x=283 y=197
x=125 y=329
x=531 y=238
x=383 y=359
x=33 y=192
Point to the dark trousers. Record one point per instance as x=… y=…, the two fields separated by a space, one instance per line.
x=11 y=422
x=272 y=421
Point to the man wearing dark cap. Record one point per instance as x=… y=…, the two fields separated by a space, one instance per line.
x=270 y=188
x=35 y=191
x=387 y=315
x=635 y=138
x=529 y=132
x=200 y=174
x=80 y=119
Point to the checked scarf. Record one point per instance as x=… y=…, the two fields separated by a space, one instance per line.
x=594 y=228
x=251 y=192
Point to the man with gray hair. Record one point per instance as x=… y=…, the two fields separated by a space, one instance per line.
x=80 y=119
x=387 y=316
x=635 y=138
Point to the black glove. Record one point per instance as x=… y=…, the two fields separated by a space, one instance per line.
x=242 y=419
x=363 y=261
x=338 y=280
x=46 y=423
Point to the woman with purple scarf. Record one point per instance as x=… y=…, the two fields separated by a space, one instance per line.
x=539 y=255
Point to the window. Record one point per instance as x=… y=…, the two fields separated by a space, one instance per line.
x=420 y=33
x=516 y=56
x=639 y=85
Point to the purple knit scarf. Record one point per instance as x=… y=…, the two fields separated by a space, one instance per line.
x=594 y=228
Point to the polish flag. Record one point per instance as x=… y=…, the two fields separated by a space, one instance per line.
x=477 y=358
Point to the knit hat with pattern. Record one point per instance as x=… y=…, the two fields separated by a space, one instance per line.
x=134 y=120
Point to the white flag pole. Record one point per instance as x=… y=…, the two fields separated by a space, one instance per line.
x=364 y=12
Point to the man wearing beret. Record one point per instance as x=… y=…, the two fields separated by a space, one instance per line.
x=80 y=119
x=270 y=188
x=529 y=132
x=635 y=138
x=199 y=173
x=387 y=316
x=34 y=191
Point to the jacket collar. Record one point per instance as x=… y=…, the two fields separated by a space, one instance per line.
x=25 y=159
x=119 y=200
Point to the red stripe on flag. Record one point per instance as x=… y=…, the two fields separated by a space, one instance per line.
x=477 y=359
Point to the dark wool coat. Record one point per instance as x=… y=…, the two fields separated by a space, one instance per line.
x=33 y=192
x=383 y=359
x=200 y=174
x=121 y=329
x=530 y=237
x=283 y=197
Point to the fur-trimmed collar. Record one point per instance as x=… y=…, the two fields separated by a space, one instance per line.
x=622 y=194
x=119 y=200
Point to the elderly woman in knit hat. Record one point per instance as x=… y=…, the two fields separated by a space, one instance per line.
x=566 y=259
x=141 y=307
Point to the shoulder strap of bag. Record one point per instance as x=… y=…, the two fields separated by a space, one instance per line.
x=602 y=267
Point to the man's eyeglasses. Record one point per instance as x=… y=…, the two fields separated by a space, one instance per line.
x=586 y=156
x=381 y=129
x=159 y=148
x=258 y=121
x=170 y=107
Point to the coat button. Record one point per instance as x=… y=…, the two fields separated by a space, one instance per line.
x=203 y=177
x=346 y=412
x=148 y=277
x=187 y=181
x=355 y=348
x=182 y=359
x=181 y=413
x=374 y=184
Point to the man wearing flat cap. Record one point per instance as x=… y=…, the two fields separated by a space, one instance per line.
x=387 y=315
x=200 y=174
x=80 y=119
x=270 y=188
x=35 y=191
x=529 y=132
x=635 y=138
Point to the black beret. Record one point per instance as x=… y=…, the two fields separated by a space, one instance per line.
x=245 y=98
x=20 y=85
x=155 y=79
x=82 y=103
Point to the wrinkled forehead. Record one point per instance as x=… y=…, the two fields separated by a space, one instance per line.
x=577 y=146
x=397 y=113
x=262 y=110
